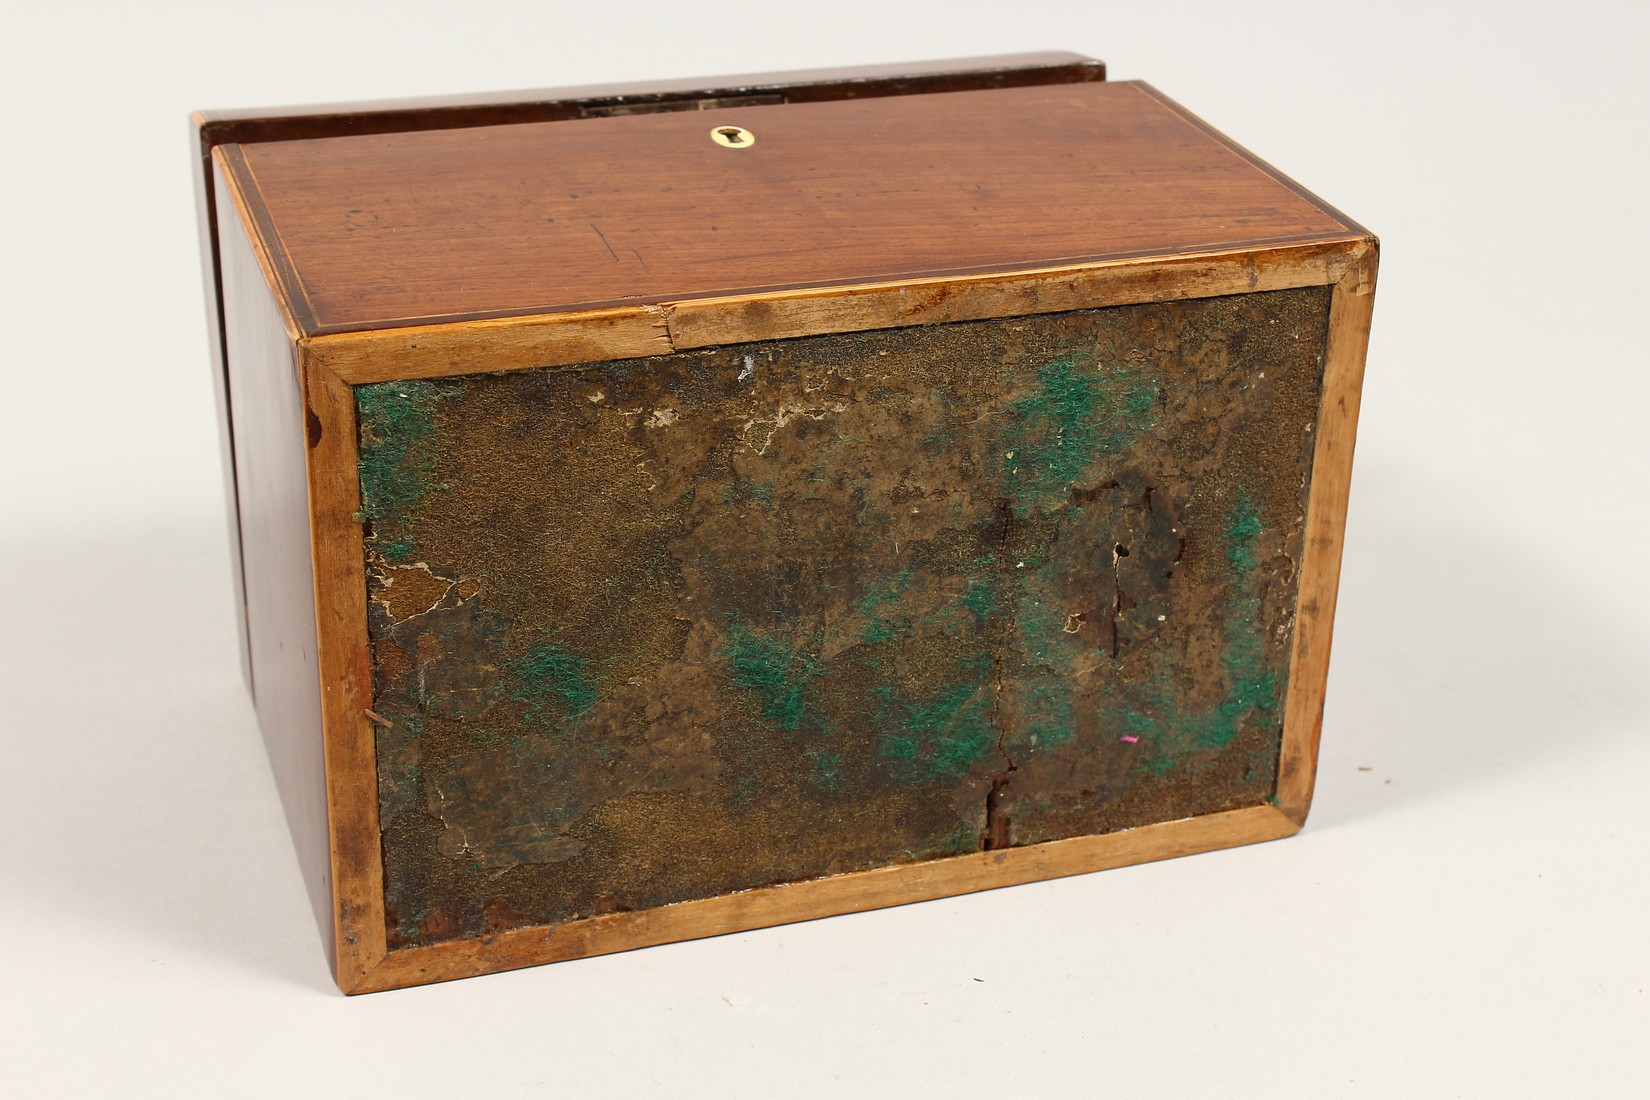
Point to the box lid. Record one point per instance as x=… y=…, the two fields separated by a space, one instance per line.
x=212 y=129
x=397 y=229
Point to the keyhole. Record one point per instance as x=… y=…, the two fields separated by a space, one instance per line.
x=733 y=137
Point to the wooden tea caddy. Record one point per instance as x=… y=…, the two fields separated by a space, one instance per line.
x=664 y=511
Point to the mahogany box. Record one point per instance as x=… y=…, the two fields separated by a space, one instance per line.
x=667 y=511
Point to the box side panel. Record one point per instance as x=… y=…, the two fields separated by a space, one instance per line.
x=266 y=402
x=651 y=631
x=206 y=218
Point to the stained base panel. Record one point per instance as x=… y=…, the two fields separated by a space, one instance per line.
x=655 y=630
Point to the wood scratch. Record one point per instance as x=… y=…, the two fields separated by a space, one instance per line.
x=605 y=245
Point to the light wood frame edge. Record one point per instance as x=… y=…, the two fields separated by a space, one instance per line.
x=1351 y=304
x=813 y=899
x=585 y=336
x=346 y=675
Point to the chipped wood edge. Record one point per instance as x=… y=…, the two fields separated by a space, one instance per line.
x=809 y=900
x=1351 y=304
x=1057 y=289
x=492 y=345
x=346 y=674
x=588 y=336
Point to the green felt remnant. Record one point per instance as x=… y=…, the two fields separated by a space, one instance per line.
x=749 y=492
x=398 y=458
x=1074 y=414
x=946 y=732
x=550 y=674
x=1049 y=719
x=776 y=671
x=827 y=769
x=1251 y=684
x=880 y=626
x=910 y=594
x=959 y=841
x=981 y=597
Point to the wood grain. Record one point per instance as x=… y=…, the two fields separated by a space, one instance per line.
x=345 y=674
x=824 y=897
x=781 y=315
x=571 y=338
x=1349 y=316
x=500 y=344
x=405 y=229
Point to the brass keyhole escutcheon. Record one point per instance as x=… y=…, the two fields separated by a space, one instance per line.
x=734 y=137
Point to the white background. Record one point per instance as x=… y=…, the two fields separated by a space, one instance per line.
x=1468 y=917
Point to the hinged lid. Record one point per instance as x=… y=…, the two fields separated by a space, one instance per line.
x=389 y=230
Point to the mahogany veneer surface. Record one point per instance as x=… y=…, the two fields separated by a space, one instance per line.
x=394 y=229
